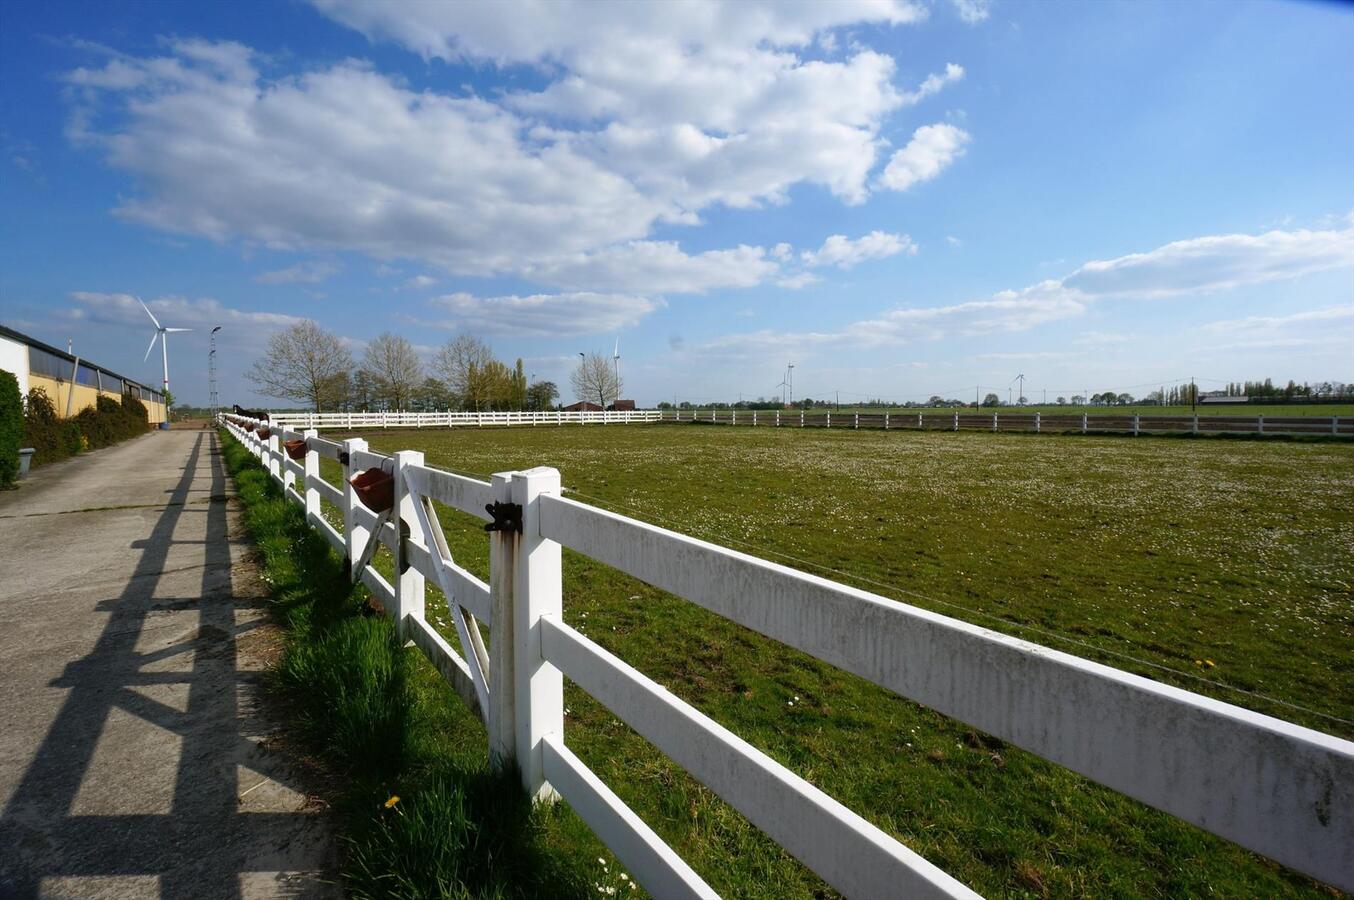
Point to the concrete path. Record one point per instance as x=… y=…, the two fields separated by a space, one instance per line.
x=136 y=756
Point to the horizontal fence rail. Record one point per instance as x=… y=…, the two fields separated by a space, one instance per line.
x=1276 y=788
x=970 y=419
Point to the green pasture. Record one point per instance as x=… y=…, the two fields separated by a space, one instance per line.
x=1219 y=566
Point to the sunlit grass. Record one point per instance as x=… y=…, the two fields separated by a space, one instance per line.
x=1227 y=561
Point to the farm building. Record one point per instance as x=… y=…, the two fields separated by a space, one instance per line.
x=72 y=383
x=623 y=406
x=583 y=406
x=1215 y=399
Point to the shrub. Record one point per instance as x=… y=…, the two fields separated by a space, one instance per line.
x=11 y=428
x=44 y=430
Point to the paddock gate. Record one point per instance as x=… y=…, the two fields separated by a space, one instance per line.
x=1279 y=789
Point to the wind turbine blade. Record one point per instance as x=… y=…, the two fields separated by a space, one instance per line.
x=152 y=345
x=148 y=312
x=178 y=329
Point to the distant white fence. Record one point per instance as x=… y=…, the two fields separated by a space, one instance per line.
x=1109 y=423
x=366 y=420
x=1279 y=789
x=974 y=420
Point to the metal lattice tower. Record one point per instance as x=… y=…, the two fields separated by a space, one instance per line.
x=211 y=374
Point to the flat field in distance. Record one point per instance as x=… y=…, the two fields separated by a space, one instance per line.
x=1228 y=563
x=1321 y=411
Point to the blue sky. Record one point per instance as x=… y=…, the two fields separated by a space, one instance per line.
x=901 y=198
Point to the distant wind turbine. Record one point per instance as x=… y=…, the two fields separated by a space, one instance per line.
x=161 y=333
x=616 y=361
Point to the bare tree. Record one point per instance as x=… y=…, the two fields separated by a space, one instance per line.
x=595 y=380
x=303 y=363
x=395 y=367
x=463 y=363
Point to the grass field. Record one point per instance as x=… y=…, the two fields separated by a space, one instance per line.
x=1229 y=564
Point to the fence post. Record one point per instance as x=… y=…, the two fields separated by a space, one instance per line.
x=355 y=536
x=312 y=473
x=801 y=418
x=919 y=422
x=1194 y=426
x=1334 y=424
x=536 y=592
x=734 y=420
x=886 y=421
x=994 y=421
x=409 y=586
x=956 y=421
x=777 y=418
x=1036 y=423
x=1135 y=424
x=501 y=716
x=754 y=418
x=288 y=476
x=1083 y=423
x=857 y=421
x=1260 y=424
x=274 y=465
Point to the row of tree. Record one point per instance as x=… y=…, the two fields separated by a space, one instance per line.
x=307 y=364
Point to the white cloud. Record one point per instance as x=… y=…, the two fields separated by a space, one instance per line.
x=173 y=312
x=798 y=280
x=1320 y=318
x=656 y=267
x=418 y=282
x=930 y=152
x=972 y=11
x=562 y=30
x=1217 y=262
x=646 y=114
x=934 y=84
x=544 y=315
x=840 y=251
x=1179 y=269
x=303 y=272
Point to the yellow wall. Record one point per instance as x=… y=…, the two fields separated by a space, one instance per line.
x=60 y=392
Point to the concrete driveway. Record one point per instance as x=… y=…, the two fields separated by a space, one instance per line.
x=137 y=758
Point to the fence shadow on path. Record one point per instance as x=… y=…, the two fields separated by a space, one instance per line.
x=155 y=776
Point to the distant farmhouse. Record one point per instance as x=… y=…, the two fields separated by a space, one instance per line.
x=72 y=383
x=1217 y=398
x=586 y=406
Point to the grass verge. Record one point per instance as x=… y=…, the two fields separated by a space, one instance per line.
x=381 y=721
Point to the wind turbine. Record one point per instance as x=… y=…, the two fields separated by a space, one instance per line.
x=1021 y=379
x=161 y=333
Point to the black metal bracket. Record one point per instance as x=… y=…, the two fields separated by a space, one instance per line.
x=507 y=517
x=343 y=457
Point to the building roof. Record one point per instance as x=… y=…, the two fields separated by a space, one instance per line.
x=20 y=337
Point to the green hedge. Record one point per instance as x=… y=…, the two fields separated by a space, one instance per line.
x=11 y=428
x=101 y=425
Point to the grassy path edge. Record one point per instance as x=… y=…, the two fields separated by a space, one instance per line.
x=422 y=813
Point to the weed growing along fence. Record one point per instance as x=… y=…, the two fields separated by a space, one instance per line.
x=1273 y=787
x=104 y=424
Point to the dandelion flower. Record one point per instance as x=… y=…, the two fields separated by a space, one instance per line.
x=394 y=798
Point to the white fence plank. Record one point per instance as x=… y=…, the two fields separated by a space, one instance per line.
x=658 y=869
x=465 y=494
x=1224 y=768
x=848 y=852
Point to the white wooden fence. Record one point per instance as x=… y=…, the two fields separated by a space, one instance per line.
x=995 y=420
x=1279 y=789
x=356 y=420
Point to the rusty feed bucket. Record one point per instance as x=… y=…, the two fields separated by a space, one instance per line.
x=376 y=489
x=264 y=433
x=295 y=449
